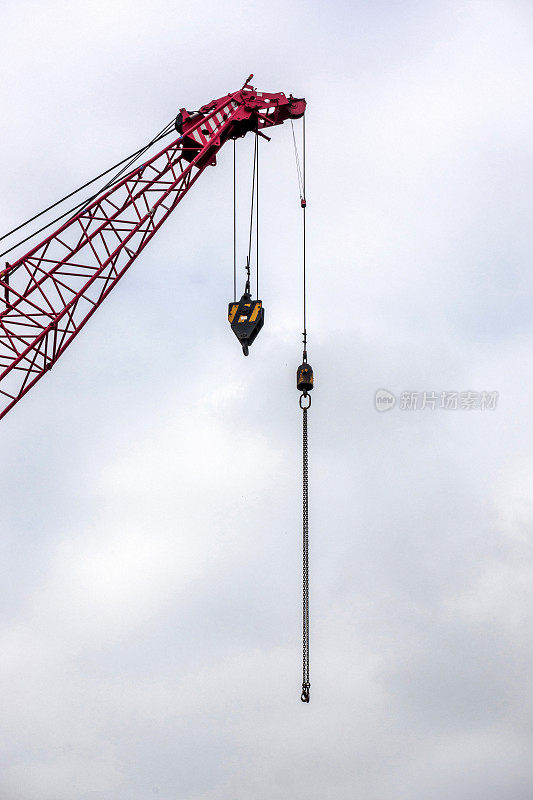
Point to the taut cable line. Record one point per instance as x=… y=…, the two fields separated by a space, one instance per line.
x=128 y=162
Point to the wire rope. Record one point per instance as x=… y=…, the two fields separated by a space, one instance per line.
x=234 y=223
x=130 y=159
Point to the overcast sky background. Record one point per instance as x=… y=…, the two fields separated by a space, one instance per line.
x=151 y=484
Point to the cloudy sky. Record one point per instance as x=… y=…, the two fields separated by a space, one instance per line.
x=151 y=497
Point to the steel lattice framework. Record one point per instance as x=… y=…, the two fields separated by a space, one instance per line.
x=51 y=292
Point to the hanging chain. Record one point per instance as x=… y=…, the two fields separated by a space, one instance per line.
x=305 y=622
x=304 y=382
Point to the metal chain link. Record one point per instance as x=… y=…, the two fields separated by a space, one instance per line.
x=305 y=679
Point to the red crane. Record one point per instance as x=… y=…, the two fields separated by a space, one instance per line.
x=51 y=291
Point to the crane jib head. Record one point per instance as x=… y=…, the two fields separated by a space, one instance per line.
x=233 y=116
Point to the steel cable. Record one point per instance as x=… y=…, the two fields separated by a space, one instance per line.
x=130 y=159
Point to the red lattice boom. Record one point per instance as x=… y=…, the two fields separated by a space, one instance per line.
x=51 y=292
